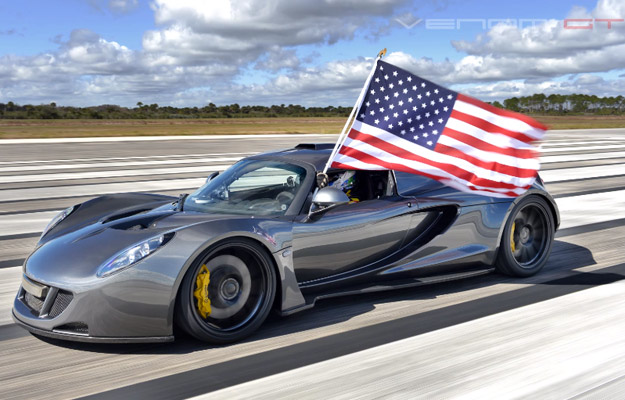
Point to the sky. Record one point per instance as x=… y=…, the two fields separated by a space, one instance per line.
x=308 y=52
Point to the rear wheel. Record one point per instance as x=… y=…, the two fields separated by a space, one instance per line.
x=227 y=293
x=527 y=238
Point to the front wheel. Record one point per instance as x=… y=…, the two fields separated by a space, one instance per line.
x=527 y=238
x=227 y=293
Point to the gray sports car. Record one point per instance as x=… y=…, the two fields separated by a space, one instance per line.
x=128 y=267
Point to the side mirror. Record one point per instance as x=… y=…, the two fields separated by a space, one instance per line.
x=329 y=197
x=211 y=176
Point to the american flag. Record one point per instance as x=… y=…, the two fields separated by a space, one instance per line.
x=407 y=123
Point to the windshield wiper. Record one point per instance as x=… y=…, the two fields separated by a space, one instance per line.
x=181 y=199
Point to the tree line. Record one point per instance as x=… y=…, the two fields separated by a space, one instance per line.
x=554 y=104
x=11 y=110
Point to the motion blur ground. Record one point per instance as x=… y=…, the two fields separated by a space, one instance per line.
x=583 y=170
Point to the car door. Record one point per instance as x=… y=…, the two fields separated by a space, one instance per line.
x=350 y=236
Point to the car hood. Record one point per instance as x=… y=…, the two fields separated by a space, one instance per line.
x=78 y=254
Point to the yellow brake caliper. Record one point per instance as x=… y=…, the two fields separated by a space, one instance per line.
x=512 y=246
x=201 y=293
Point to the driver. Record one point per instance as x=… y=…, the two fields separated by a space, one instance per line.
x=345 y=181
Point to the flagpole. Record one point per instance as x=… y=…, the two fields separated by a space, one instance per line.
x=361 y=97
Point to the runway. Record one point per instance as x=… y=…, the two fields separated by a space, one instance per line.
x=554 y=335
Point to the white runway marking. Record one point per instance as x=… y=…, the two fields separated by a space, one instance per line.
x=570 y=174
x=582 y=148
x=111 y=174
x=581 y=157
x=114 y=165
x=552 y=349
x=591 y=208
x=99 y=189
x=107 y=159
x=10 y=279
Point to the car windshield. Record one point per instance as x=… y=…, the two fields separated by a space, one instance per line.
x=250 y=187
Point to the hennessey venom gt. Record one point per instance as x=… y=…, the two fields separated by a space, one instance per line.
x=128 y=267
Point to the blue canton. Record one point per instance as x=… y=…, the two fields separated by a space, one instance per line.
x=406 y=106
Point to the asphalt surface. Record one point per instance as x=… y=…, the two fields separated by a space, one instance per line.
x=555 y=335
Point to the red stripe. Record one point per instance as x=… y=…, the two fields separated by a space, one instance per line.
x=489 y=127
x=504 y=113
x=364 y=157
x=402 y=153
x=488 y=165
x=485 y=146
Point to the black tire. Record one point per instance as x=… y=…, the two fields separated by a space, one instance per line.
x=524 y=251
x=242 y=289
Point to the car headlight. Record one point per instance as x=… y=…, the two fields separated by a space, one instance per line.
x=133 y=254
x=58 y=218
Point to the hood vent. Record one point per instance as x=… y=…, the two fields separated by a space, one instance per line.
x=140 y=222
x=125 y=214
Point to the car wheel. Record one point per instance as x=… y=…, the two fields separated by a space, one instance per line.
x=227 y=293
x=527 y=238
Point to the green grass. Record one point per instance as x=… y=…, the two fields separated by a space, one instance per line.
x=17 y=129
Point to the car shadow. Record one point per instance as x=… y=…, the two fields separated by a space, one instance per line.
x=561 y=269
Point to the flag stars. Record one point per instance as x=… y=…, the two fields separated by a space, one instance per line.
x=422 y=84
x=421 y=126
x=414 y=108
x=409 y=120
x=436 y=111
x=381 y=109
x=431 y=123
x=440 y=100
x=396 y=115
x=400 y=123
x=427 y=93
x=391 y=106
x=432 y=102
x=449 y=96
x=445 y=108
x=394 y=73
x=405 y=91
x=409 y=79
x=386 y=98
x=403 y=132
x=390 y=126
x=368 y=104
x=377 y=101
x=412 y=129
x=418 y=117
x=434 y=132
x=440 y=120
x=377 y=121
x=423 y=105
x=427 y=115
x=409 y=99
x=391 y=86
x=436 y=91
x=396 y=94
x=386 y=77
x=362 y=116
x=416 y=137
x=425 y=134
x=372 y=91
x=377 y=80
x=381 y=88
x=414 y=87
x=400 y=82
x=419 y=96
x=401 y=103
x=405 y=111
x=371 y=112
x=430 y=143
x=386 y=118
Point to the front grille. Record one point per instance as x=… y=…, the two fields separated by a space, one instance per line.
x=61 y=302
x=74 y=327
x=35 y=303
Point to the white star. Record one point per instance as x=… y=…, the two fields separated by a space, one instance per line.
x=416 y=137
x=362 y=115
x=394 y=73
x=449 y=96
x=423 y=105
x=436 y=111
x=405 y=111
x=427 y=115
x=427 y=93
x=386 y=98
x=405 y=91
x=396 y=94
x=400 y=123
x=401 y=103
x=400 y=82
x=421 y=126
x=409 y=79
x=436 y=91
x=445 y=108
x=381 y=68
x=391 y=106
x=425 y=134
x=418 y=118
x=390 y=126
x=410 y=120
x=431 y=123
x=409 y=99
x=372 y=112
x=432 y=102
x=403 y=132
x=368 y=104
x=396 y=115
x=377 y=121
x=381 y=88
x=419 y=96
x=381 y=109
x=377 y=80
x=386 y=77
x=386 y=117
x=414 y=87
x=422 y=84
x=412 y=129
x=377 y=101
x=440 y=100
x=372 y=91
x=414 y=108
x=429 y=142
x=440 y=120
x=391 y=86
x=434 y=132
